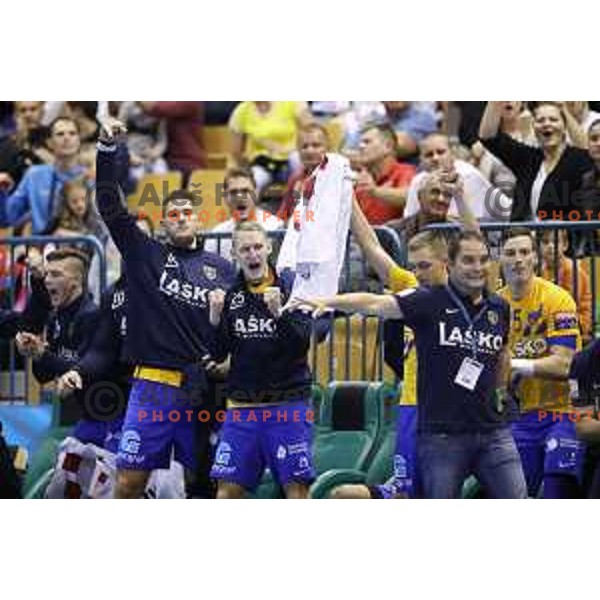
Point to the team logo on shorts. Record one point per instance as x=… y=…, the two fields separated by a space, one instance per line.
x=130 y=442
x=223 y=454
x=492 y=317
x=209 y=272
x=400 y=468
x=281 y=453
x=237 y=301
x=551 y=444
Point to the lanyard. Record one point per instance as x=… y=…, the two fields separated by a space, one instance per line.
x=465 y=313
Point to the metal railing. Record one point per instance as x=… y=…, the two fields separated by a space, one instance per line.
x=574 y=267
x=354 y=349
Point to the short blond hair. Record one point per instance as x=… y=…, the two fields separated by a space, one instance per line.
x=244 y=226
x=430 y=240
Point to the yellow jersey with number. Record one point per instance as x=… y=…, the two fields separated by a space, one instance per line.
x=401 y=279
x=546 y=317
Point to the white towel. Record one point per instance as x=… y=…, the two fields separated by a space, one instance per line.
x=91 y=473
x=315 y=250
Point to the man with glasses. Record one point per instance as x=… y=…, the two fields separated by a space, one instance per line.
x=240 y=198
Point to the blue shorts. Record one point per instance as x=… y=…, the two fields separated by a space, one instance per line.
x=275 y=437
x=405 y=477
x=159 y=421
x=104 y=434
x=547 y=446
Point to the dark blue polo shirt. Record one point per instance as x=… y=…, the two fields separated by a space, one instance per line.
x=449 y=328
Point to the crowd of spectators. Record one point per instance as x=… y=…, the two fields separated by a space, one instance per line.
x=515 y=160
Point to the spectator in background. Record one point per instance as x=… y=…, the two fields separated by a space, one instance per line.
x=485 y=203
x=354 y=120
x=26 y=146
x=146 y=140
x=548 y=177
x=240 y=199
x=84 y=114
x=328 y=109
x=590 y=193
x=434 y=196
x=515 y=121
x=350 y=117
x=382 y=184
x=594 y=147
x=580 y=109
x=184 y=120
x=76 y=216
x=558 y=268
x=411 y=124
x=591 y=179
x=264 y=138
x=39 y=192
x=313 y=144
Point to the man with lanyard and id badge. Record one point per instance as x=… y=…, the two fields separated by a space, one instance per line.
x=461 y=335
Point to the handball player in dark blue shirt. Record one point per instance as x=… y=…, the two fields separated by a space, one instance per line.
x=168 y=328
x=269 y=421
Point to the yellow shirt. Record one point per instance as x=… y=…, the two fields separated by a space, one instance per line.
x=400 y=279
x=546 y=317
x=272 y=134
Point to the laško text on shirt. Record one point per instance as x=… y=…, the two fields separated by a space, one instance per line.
x=268 y=354
x=167 y=287
x=454 y=337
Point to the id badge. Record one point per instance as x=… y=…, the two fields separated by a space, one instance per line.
x=468 y=374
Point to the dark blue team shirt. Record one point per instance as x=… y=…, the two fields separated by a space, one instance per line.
x=268 y=355
x=167 y=287
x=443 y=340
x=69 y=331
x=585 y=368
x=103 y=359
